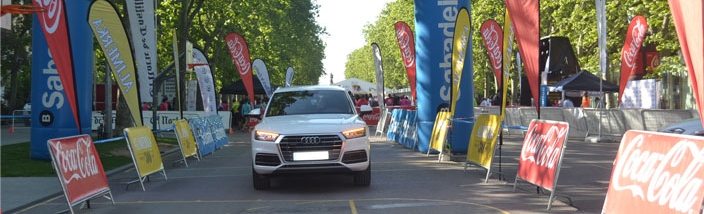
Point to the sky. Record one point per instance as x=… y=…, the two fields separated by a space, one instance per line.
x=344 y=22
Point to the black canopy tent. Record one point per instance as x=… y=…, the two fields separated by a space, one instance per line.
x=583 y=81
x=238 y=88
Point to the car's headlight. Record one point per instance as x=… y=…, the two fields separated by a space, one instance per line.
x=355 y=133
x=265 y=135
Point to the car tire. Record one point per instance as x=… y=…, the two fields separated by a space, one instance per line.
x=261 y=182
x=363 y=178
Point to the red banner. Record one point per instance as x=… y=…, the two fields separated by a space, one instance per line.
x=53 y=23
x=657 y=173
x=629 y=53
x=372 y=119
x=647 y=60
x=493 y=35
x=240 y=56
x=406 y=44
x=78 y=167
x=689 y=23
x=542 y=152
x=524 y=14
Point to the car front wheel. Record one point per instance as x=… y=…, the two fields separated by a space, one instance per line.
x=363 y=178
x=261 y=182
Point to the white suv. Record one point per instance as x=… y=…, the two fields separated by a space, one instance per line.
x=310 y=129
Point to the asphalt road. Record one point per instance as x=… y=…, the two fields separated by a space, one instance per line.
x=403 y=181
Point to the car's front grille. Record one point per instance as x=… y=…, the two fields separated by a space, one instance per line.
x=311 y=143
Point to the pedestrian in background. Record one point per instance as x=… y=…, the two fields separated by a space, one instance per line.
x=389 y=100
x=246 y=108
x=485 y=102
x=164 y=106
x=567 y=103
x=586 y=101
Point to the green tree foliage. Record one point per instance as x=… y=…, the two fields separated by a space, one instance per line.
x=360 y=63
x=484 y=77
x=573 y=19
x=15 y=67
x=282 y=33
x=576 y=20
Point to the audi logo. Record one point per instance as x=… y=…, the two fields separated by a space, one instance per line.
x=310 y=140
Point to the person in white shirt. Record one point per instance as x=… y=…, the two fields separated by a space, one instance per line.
x=485 y=102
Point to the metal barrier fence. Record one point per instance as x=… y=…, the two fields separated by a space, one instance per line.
x=24 y=115
x=584 y=122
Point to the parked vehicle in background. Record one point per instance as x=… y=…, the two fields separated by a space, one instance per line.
x=311 y=129
x=687 y=127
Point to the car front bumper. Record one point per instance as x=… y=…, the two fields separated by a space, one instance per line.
x=282 y=157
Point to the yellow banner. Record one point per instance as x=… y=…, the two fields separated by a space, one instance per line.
x=483 y=139
x=460 y=44
x=110 y=33
x=185 y=138
x=508 y=50
x=439 y=134
x=145 y=152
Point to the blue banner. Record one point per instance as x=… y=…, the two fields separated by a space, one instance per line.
x=434 y=25
x=203 y=136
x=218 y=131
x=51 y=113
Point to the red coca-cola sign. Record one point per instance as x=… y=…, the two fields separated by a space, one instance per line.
x=372 y=119
x=657 y=173
x=55 y=29
x=78 y=167
x=638 y=28
x=542 y=152
x=405 y=43
x=493 y=39
x=237 y=49
x=634 y=39
x=408 y=51
x=50 y=19
x=240 y=56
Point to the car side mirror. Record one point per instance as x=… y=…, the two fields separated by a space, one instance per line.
x=365 y=109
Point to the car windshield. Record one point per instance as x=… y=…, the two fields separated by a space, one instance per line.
x=309 y=102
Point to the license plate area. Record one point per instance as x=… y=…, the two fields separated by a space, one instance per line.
x=308 y=156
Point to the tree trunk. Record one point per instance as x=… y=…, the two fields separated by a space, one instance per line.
x=123 y=119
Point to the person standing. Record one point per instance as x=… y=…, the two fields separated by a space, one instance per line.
x=598 y=103
x=172 y=105
x=224 y=106
x=567 y=103
x=145 y=106
x=236 y=118
x=485 y=102
x=164 y=106
x=363 y=100
x=246 y=108
x=389 y=101
x=586 y=101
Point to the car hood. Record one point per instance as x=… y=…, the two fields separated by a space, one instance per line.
x=310 y=123
x=688 y=127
